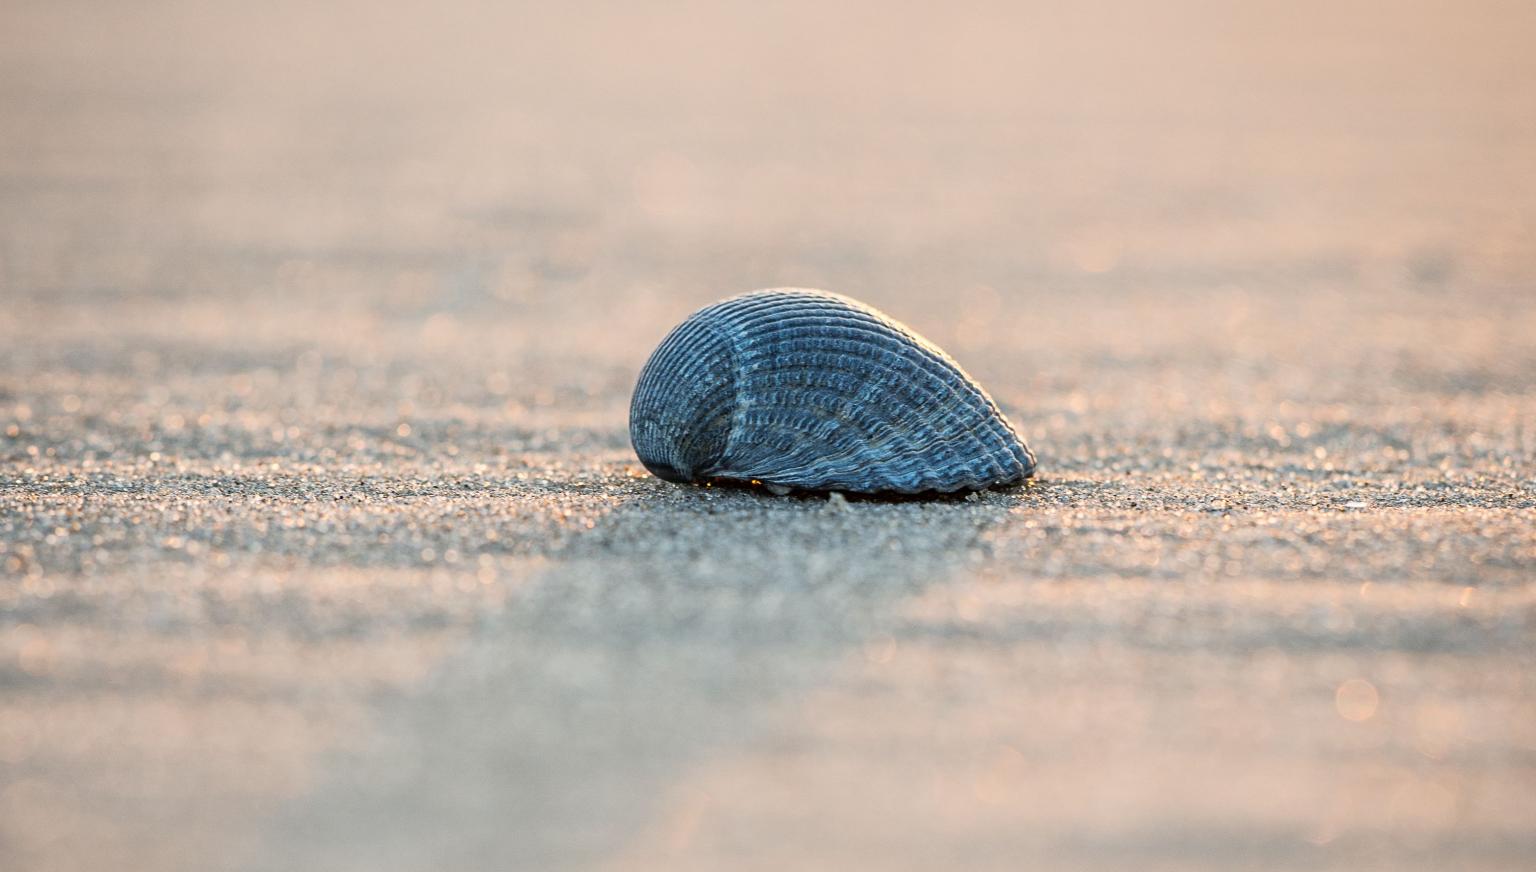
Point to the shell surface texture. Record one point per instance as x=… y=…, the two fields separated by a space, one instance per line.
x=795 y=389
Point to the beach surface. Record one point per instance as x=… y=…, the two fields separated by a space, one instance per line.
x=322 y=546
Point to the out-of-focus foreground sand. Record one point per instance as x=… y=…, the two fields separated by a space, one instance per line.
x=322 y=547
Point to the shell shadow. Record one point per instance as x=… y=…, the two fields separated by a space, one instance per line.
x=668 y=634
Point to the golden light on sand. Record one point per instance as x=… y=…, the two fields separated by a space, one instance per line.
x=1438 y=728
x=881 y=649
x=1096 y=249
x=683 y=824
x=1000 y=775
x=1356 y=700
x=1252 y=280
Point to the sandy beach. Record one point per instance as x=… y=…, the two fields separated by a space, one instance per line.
x=322 y=545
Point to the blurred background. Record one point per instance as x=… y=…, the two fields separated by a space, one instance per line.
x=205 y=165
x=256 y=259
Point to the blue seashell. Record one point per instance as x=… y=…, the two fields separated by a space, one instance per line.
x=802 y=389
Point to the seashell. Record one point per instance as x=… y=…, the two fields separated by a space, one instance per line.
x=799 y=389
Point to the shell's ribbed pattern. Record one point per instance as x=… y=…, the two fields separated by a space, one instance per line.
x=811 y=390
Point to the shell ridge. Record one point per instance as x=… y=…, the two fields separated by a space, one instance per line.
x=674 y=438
x=957 y=394
x=829 y=302
x=960 y=407
x=902 y=468
x=732 y=345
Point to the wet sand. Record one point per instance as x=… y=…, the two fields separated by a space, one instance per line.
x=322 y=546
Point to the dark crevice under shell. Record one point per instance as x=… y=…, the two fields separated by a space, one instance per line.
x=803 y=389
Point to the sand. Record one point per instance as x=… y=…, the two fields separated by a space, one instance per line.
x=322 y=546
